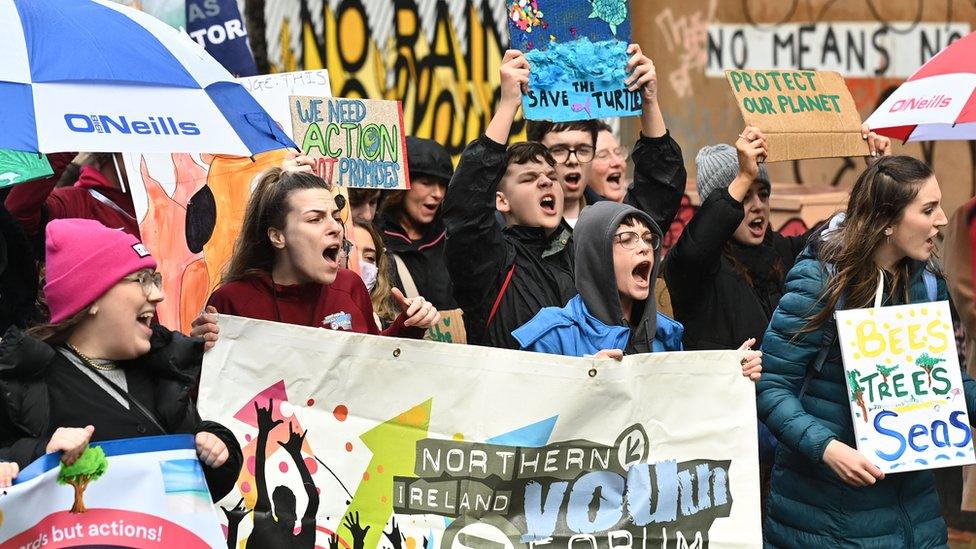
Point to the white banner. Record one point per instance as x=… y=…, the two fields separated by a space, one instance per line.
x=854 y=49
x=385 y=442
x=272 y=90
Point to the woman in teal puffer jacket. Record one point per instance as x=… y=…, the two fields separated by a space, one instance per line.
x=824 y=492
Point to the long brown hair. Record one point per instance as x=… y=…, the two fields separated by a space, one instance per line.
x=266 y=208
x=56 y=333
x=878 y=201
x=380 y=294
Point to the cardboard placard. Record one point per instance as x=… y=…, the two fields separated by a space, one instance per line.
x=803 y=114
x=450 y=329
x=19 y=167
x=907 y=399
x=357 y=143
x=577 y=51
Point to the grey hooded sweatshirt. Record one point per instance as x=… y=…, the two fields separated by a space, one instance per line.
x=595 y=280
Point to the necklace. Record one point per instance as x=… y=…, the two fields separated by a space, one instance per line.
x=90 y=362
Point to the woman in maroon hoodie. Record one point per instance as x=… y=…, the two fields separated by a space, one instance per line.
x=96 y=193
x=285 y=266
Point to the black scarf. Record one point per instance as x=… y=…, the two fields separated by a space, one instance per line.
x=763 y=265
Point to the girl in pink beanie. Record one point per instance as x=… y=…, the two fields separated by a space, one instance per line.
x=102 y=369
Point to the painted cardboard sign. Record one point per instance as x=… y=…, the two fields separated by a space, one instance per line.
x=577 y=53
x=450 y=329
x=906 y=393
x=386 y=442
x=803 y=114
x=356 y=143
x=19 y=167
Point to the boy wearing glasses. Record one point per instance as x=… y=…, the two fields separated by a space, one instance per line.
x=606 y=320
x=571 y=145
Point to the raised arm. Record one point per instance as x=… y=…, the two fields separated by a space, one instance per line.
x=32 y=204
x=477 y=252
x=294 y=448
x=699 y=249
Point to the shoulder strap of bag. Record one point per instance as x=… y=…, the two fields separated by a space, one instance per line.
x=931 y=284
x=125 y=394
x=829 y=335
x=108 y=202
x=501 y=294
x=409 y=286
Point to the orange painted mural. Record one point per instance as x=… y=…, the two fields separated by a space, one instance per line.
x=190 y=210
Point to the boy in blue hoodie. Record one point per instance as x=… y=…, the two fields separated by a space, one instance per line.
x=609 y=319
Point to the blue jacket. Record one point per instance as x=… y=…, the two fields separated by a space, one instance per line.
x=808 y=505
x=573 y=331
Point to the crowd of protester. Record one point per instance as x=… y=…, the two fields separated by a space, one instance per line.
x=523 y=238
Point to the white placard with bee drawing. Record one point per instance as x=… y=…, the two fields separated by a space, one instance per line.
x=905 y=387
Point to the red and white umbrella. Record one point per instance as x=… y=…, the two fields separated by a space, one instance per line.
x=935 y=103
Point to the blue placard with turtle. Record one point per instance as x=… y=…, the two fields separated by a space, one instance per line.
x=577 y=51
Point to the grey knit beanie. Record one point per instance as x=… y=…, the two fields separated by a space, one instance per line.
x=717 y=166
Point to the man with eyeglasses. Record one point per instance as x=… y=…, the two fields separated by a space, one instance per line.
x=571 y=145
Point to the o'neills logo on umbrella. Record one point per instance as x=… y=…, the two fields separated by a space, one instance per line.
x=918 y=103
x=104 y=123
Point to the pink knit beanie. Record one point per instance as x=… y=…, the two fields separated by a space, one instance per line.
x=84 y=260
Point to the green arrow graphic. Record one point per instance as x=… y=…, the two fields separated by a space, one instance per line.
x=394 y=447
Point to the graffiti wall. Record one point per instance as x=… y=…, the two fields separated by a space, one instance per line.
x=874 y=44
x=440 y=57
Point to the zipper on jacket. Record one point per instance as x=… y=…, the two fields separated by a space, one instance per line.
x=906 y=521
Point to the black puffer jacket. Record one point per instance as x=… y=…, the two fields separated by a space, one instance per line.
x=717 y=305
x=518 y=271
x=424 y=260
x=166 y=375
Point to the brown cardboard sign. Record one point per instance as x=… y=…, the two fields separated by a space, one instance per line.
x=356 y=143
x=450 y=329
x=803 y=114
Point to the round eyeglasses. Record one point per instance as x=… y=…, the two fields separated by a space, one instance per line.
x=629 y=239
x=148 y=280
x=560 y=153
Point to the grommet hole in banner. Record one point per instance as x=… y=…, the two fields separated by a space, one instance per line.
x=396 y=352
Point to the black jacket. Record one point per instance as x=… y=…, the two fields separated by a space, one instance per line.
x=18 y=275
x=424 y=259
x=718 y=306
x=481 y=255
x=167 y=373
